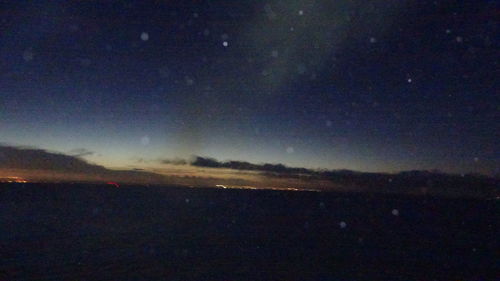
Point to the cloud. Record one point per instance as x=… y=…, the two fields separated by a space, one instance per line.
x=199 y=161
x=39 y=159
x=170 y=161
x=434 y=182
x=174 y=161
x=81 y=152
x=38 y=164
x=42 y=164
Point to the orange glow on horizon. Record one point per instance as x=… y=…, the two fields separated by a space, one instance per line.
x=13 y=179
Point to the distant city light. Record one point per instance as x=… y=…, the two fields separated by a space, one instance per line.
x=12 y=179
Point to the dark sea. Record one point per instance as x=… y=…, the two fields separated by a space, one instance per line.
x=100 y=232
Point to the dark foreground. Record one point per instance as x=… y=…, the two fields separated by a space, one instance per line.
x=90 y=232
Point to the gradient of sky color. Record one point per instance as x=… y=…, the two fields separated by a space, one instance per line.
x=363 y=85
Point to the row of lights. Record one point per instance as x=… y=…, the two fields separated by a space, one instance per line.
x=13 y=180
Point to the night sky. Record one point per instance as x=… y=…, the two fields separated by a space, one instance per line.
x=363 y=85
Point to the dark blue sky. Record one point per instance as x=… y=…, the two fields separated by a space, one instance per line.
x=364 y=85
